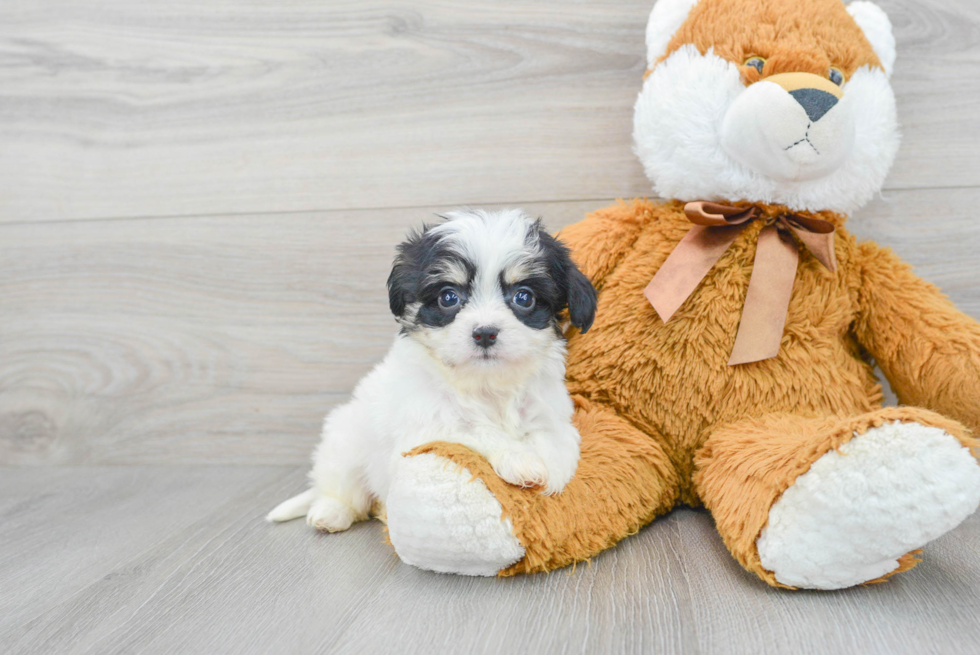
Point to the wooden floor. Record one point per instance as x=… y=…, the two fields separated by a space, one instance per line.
x=198 y=206
x=168 y=559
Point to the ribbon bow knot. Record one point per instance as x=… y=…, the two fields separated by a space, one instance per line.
x=716 y=227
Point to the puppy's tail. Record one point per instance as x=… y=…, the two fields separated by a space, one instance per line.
x=293 y=508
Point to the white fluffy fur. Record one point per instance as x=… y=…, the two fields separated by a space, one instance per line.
x=769 y=132
x=441 y=519
x=855 y=512
x=666 y=18
x=509 y=404
x=874 y=22
x=682 y=116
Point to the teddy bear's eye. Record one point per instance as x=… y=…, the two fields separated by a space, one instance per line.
x=756 y=62
x=836 y=76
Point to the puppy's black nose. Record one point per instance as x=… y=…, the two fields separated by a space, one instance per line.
x=485 y=336
x=815 y=102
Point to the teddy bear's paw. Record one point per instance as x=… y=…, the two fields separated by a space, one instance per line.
x=442 y=519
x=520 y=468
x=330 y=515
x=850 y=517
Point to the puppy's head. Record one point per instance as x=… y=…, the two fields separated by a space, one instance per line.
x=486 y=288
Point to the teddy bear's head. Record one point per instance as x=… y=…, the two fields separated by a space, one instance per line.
x=776 y=101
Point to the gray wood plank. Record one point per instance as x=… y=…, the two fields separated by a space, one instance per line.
x=138 y=562
x=225 y=340
x=931 y=609
x=100 y=610
x=113 y=108
x=66 y=532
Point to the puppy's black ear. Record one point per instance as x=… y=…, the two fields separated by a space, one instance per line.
x=406 y=274
x=397 y=300
x=582 y=299
x=578 y=292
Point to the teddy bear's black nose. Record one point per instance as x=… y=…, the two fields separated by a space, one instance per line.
x=815 y=102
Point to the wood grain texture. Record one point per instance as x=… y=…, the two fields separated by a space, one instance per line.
x=225 y=340
x=114 y=108
x=179 y=560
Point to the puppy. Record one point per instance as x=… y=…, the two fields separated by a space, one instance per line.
x=479 y=360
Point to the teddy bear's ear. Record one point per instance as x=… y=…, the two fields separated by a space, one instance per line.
x=665 y=19
x=874 y=22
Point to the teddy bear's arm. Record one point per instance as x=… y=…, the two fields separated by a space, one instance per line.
x=601 y=240
x=927 y=348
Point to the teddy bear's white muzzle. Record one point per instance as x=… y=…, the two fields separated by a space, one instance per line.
x=789 y=136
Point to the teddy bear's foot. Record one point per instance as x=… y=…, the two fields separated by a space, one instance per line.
x=860 y=508
x=441 y=519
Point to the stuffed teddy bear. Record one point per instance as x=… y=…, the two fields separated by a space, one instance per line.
x=731 y=361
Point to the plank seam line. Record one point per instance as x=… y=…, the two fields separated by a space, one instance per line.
x=292 y=212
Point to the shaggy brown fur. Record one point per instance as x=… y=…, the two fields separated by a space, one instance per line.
x=664 y=420
x=773 y=29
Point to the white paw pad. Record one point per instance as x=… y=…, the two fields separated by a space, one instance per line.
x=855 y=512
x=330 y=515
x=441 y=519
x=520 y=468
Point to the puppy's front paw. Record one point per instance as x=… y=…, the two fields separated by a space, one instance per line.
x=330 y=515
x=520 y=468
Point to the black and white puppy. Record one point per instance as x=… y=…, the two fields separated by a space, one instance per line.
x=479 y=360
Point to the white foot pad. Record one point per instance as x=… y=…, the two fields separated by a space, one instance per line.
x=442 y=520
x=853 y=514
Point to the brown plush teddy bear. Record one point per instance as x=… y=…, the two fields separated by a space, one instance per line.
x=730 y=363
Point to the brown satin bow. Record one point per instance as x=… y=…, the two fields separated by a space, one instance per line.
x=715 y=228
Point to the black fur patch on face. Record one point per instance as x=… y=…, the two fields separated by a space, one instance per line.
x=547 y=304
x=415 y=283
x=563 y=284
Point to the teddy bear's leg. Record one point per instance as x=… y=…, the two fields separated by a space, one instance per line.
x=447 y=510
x=834 y=502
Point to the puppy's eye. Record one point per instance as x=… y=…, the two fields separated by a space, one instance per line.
x=836 y=76
x=524 y=298
x=757 y=63
x=448 y=298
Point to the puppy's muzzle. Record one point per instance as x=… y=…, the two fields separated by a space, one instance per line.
x=485 y=336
